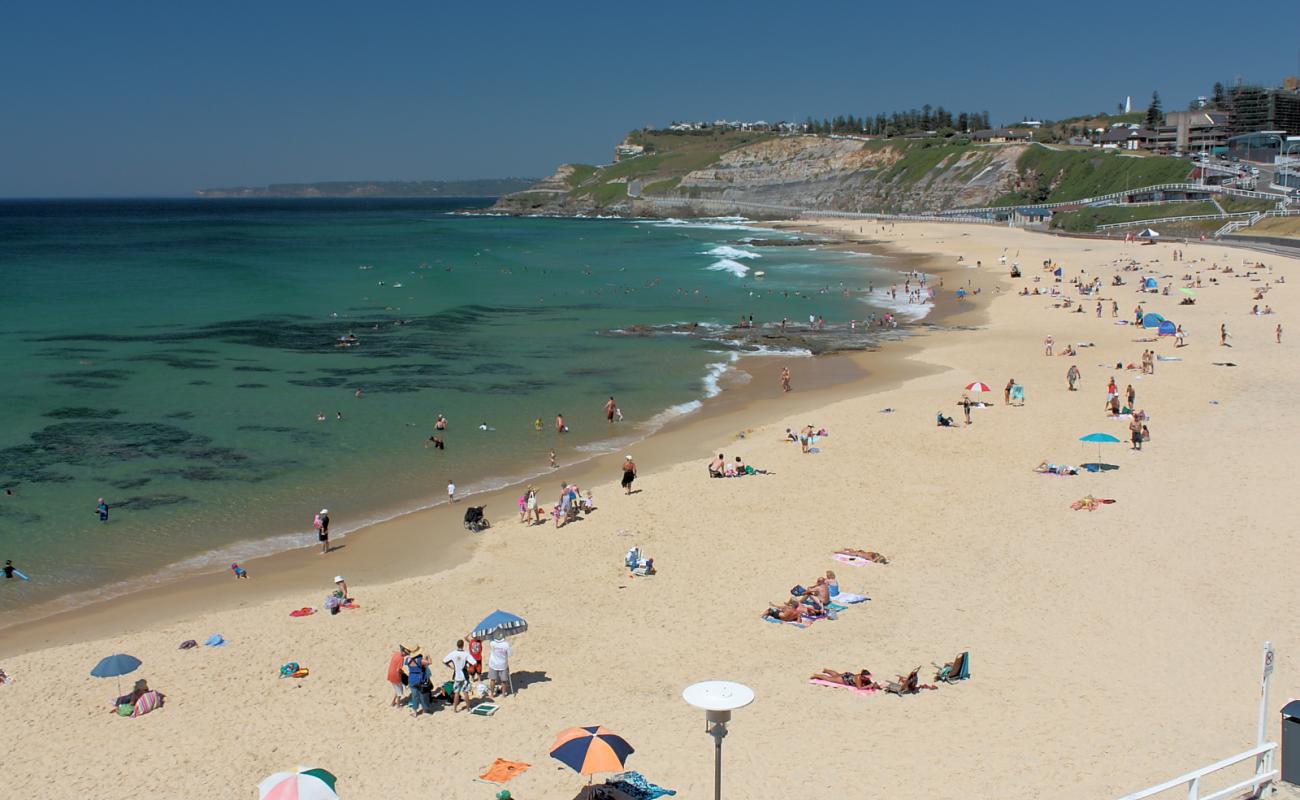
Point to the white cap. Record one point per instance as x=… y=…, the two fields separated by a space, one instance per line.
x=338 y=578
x=628 y=456
x=324 y=511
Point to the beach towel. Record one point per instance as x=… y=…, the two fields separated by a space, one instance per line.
x=636 y=785
x=215 y=640
x=1168 y=358
x=784 y=622
x=502 y=770
x=849 y=598
x=147 y=702
x=835 y=607
x=852 y=561
x=833 y=685
x=302 y=612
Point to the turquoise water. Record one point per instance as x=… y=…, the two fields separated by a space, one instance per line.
x=172 y=357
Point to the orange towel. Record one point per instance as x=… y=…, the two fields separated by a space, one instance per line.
x=502 y=770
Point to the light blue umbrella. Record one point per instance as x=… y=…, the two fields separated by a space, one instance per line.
x=115 y=666
x=1100 y=439
x=499 y=622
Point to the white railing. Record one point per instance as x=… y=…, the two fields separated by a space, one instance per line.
x=1264 y=775
x=1166 y=220
x=1162 y=187
x=1238 y=224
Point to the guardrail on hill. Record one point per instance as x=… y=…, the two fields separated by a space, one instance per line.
x=716 y=205
x=1237 y=224
x=1166 y=220
x=1104 y=198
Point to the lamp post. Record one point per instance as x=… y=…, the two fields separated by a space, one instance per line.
x=718 y=699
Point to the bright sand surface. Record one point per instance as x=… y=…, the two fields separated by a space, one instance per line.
x=1109 y=649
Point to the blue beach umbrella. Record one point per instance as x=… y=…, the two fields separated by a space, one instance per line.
x=115 y=666
x=1100 y=439
x=499 y=622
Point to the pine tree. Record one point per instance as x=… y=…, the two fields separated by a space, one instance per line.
x=1155 y=118
x=963 y=122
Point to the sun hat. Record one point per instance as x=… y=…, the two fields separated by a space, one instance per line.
x=414 y=650
x=324 y=511
x=338 y=578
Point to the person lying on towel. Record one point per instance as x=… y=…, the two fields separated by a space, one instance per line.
x=860 y=680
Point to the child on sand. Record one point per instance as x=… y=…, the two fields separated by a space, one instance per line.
x=239 y=571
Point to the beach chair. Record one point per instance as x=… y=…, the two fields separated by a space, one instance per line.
x=908 y=685
x=956 y=670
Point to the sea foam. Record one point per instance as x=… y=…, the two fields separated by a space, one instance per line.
x=730 y=265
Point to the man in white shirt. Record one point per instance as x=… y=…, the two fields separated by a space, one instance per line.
x=499 y=665
x=458 y=659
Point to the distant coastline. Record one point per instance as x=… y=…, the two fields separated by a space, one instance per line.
x=485 y=187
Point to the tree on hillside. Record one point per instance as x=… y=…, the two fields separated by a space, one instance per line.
x=1155 y=117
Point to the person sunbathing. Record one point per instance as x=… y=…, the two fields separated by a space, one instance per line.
x=716 y=467
x=1055 y=469
x=729 y=471
x=860 y=680
x=942 y=421
x=875 y=558
x=821 y=589
x=787 y=612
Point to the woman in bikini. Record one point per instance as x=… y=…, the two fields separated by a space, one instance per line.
x=860 y=680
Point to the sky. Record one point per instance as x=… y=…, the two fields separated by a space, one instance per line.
x=136 y=98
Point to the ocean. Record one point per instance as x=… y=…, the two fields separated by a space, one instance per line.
x=197 y=363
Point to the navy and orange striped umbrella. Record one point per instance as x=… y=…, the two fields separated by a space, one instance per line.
x=592 y=749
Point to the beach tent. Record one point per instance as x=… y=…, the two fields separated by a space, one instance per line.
x=1150 y=283
x=1152 y=320
x=1167 y=328
x=1148 y=233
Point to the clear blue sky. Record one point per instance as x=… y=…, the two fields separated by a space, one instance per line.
x=136 y=98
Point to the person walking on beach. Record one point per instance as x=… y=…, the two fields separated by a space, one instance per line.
x=451 y=491
x=1179 y=335
x=629 y=473
x=417 y=679
x=1135 y=433
x=1114 y=308
x=396 y=675
x=458 y=660
x=1130 y=394
x=554 y=464
x=1072 y=377
x=785 y=379
x=1098 y=309
x=610 y=408
x=1223 y=335
x=1047 y=345
x=1278 y=333
x=1006 y=392
x=965 y=404
x=102 y=510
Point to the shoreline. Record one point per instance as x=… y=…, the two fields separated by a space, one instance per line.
x=362 y=552
x=1055 y=606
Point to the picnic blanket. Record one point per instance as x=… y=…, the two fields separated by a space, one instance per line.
x=503 y=770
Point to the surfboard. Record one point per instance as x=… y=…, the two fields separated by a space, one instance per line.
x=21 y=575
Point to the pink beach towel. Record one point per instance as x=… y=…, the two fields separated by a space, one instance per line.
x=147 y=702
x=852 y=561
x=854 y=689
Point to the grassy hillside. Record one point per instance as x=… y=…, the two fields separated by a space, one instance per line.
x=1087 y=219
x=1050 y=176
x=669 y=156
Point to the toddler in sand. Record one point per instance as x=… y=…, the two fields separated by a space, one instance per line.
x=239 y=571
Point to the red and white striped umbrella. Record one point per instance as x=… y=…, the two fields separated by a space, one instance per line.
x=978 y=387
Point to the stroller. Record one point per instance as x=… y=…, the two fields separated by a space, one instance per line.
x=474 y=519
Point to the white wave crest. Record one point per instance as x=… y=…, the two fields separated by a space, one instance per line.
x=729 y=265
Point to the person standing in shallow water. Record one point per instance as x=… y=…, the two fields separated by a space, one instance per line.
x=102 y=510
x=560 y=427
x=610 y=408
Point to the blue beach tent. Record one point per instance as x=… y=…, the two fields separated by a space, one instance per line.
x=1150 y=283
x=1167 y=328
x=1152 y=320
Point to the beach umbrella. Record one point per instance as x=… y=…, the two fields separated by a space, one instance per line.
x=115 y=666
x=305 y=783
x=1100 y=439
x=499 y=622
x=591 y=749
x=978 y=387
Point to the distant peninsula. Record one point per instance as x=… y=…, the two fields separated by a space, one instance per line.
x=485 y=187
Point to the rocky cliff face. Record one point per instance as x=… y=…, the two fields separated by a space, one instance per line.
x=850 y=175
x=896 y=176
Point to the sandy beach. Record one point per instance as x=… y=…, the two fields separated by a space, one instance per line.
x=1109 y=649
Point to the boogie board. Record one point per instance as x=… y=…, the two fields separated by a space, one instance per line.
x=19 y=574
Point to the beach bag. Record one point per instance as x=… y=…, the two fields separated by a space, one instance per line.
x=147 y=702
x=798 y=591
x=287 y=670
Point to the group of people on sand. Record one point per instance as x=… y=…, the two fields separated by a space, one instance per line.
x=720 y=467
x=806 y=437
x=411 y=678
x=809 y=604
x=571 y=502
